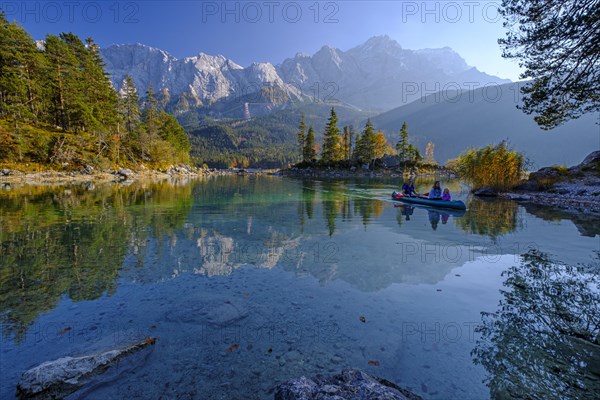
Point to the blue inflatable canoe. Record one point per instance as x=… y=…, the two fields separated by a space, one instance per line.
x=454 y=204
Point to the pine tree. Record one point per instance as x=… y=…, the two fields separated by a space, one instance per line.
x=331 y=140
x=302 y=137
x=413 y=154
x=151 y=109
x=129 y=105
x=100 y=94
x=309 y=154
x=100 y=100
x=20 y=69
x=65 y=85
x=63 y=76
x=150 y=128
x=347 y=143
x=173 y=133
x=366 y=150
x=417 y=155
x=556 y=42
x=79 y=84
x=403 y=145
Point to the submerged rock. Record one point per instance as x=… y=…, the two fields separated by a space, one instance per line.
x=349 y=384
x=212 y=312
x=57 y=379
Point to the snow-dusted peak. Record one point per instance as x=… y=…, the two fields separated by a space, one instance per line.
x=232 y=65
x=383 y=42
x=370 y=75
x=327 y=49
x=139 y=48
x=263 y=72
x=447 y=59
x=328 y=54
x=377 y=46
x=207 y=62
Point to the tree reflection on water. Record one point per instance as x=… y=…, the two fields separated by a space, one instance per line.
x=72 y=241
x=490 y=217
x=544 y=340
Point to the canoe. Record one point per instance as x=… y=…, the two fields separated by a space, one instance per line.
x=454 y=204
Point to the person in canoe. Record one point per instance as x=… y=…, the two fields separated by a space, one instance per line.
x=446 y=195
x=408 y=189
x=436 y=191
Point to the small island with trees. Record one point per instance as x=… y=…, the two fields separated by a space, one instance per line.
x=494 y=170
x=345 y=151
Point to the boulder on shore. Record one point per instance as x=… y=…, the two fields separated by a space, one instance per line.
x=589 y=164
x=390 y=161
x=547 y=178
x=125 y=173
x=349 y=384
x=486 y=192
x=57 y=379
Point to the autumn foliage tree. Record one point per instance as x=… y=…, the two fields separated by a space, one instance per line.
x=429 y=153
x=492 y=166
x=380 y=144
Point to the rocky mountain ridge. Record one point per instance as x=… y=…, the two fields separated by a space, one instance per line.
x=377 y=75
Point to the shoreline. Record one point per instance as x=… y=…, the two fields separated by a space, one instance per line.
x=88 y=174
x=57 y=178
x=49 y=177
x=569 y=199
x=573 y=190
x=573 y=204
x=360 y=173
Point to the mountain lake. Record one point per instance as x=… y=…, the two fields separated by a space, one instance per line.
x=248 y=281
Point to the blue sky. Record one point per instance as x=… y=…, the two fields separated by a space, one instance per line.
x=248 y=31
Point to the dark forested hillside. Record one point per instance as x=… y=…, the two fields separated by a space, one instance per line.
x=267 y=141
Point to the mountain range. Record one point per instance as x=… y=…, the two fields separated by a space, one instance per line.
x=375 y=76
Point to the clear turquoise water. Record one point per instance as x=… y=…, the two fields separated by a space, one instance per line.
x=250 y=281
